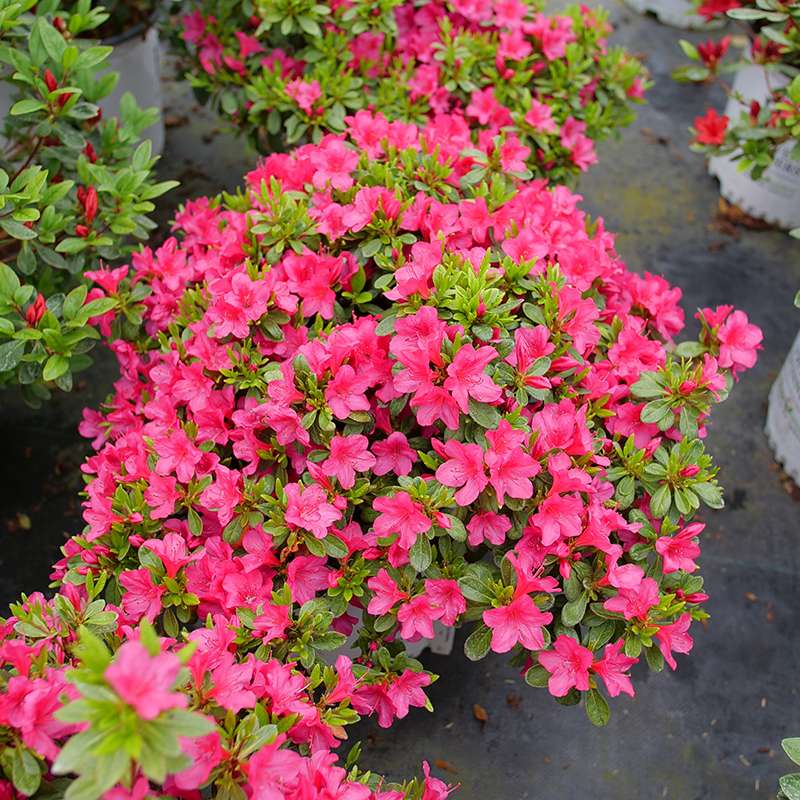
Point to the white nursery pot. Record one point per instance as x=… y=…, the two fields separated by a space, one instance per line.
x=678 y=13
x=783 y=414
x=775 y=196
x=137 y=59
x=441 y=644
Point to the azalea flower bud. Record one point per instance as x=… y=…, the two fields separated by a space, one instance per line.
x=690 y=471
x=35 y=311
x=50 y=80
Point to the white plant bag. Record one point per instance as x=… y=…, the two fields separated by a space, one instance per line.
x=678 y=13
x=783 y=414
x=775 y=197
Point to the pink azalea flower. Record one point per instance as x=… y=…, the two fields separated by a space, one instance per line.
x=399 y=514
x=385 y=593
x=406 y=691
x=271 y=623
x=178 y=454
x=446 y=594
x=224 y=494
x=345 y=393
x=393 y=454
x=416 y=618
x=308 y=508
x=306 y=575
x=142 y=597
x=172 y=551
x=568 y=664
x=488 y=526
x=161 y=495
x=433 y=403
x=145 y=682
x=466 y=376
x=739 y=342
x=540 y=117
x=675 y=638
x=205 y=753
x=558 y=517
x=634 y=602
x=463 y=468
x=520 y=622
x=613 y=669
x=334 y=162
x=680 y=550
x=348 y=455
x=304 y=93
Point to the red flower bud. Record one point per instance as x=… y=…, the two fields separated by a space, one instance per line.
x=90 y=205
x=50 y=81
x=82 y=231
x=59 y=25
x=89 y=152
x=63 y=99
x=690 y=471
x=35 y=311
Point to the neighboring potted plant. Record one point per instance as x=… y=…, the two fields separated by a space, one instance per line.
x=129 y=26
x=754 y=147
x=679 y=13
x=75 y=191
x=285 y=73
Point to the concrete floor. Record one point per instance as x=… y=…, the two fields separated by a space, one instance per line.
x=710 y=731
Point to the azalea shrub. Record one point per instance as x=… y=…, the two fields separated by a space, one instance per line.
x=92 y=707
x=764 y=124
x=75 y=191
x=376 y=392
x=287 y=72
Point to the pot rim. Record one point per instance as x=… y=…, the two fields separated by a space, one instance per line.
x=138 y=30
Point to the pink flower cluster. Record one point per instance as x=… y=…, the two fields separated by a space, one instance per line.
x=500 y=67
x=355 y=379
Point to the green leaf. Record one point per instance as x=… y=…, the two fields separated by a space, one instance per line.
x=26 y=774
x=52 y=40
x=537 y=676
x=10 y=355
x=55 y=367
x=792 y=749
x=710 y=494
x=27 y=106
x=661 y=501
x=477 y=643
x=573 y=611
x=17 y=230
x=420 y=554
x=9 y=282
x=485 y=415
x=597 y=708
x=689 y=49
x=790 y=786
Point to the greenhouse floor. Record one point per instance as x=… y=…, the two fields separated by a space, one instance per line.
x=711 y=730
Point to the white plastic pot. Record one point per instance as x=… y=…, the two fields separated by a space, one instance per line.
x=775 y=197
x=137 y=59
x=678 y=13
x=783 y=414
x=441 y=644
